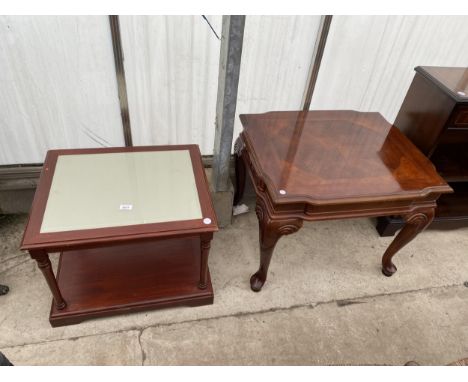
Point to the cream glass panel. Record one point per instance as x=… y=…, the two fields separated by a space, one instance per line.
x=119 y=189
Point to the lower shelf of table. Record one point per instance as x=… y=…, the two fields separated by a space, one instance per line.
x=129 y=278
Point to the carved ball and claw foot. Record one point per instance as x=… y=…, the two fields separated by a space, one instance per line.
x=270 y=231
x=415 y=223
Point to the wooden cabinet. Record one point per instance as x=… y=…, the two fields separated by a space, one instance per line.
x=434 y=115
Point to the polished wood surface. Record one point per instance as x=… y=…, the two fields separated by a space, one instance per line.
x=452 y=80
x=123 y=269
x=322 y=157
x=424 y=113
x=415 y=223
x=434 y=116
x=130 y=277
x=44 y=264
x=321 y=165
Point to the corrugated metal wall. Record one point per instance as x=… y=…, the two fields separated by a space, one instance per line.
x=276 y=57
x=57 y=86
x=369 y=60
x=171 y=67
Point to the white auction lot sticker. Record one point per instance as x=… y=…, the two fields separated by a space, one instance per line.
x=126 y=207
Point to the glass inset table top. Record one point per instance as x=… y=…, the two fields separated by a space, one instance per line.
x=119 y=189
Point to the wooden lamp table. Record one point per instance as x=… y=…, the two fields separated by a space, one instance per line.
x=321 y=165
x=133 y=226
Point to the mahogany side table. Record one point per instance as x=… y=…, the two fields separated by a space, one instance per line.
x=321 y=165
x=133 y=226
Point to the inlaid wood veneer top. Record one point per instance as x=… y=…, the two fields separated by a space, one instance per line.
x=453 y=80
x=335 y=157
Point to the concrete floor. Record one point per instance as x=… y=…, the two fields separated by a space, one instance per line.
x=325 y=303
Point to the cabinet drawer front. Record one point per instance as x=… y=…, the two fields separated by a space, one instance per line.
x=460 y=117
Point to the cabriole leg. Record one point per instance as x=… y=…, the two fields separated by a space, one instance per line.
x=270 y=232
x=415 y=223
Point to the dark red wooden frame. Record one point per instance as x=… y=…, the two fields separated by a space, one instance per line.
x=193 y=290
x=33 y=239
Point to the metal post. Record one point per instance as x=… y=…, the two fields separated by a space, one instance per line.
x=120 y=73
x=228 y=80
x=317 y=55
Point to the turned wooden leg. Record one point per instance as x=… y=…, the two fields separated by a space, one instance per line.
x=415 y=223
x=43 y=262
x=269 y=233
x=240 y=171
x=204 y=252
